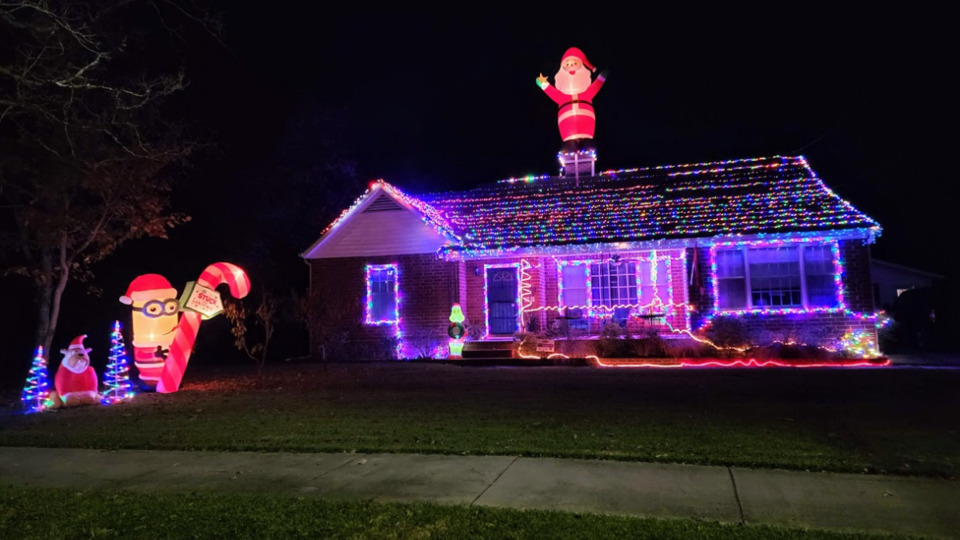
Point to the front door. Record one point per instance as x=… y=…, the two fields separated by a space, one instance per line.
x=502 y=300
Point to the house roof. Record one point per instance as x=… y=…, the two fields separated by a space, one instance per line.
x=775 y=194
x=745 y=196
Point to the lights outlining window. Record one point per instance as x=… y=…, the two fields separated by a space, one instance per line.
x=655 y=285
x=777 y=276
x=383 y=294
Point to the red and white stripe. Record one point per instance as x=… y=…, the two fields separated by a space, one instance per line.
x=214 y=275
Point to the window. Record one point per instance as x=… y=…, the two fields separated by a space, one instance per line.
x=654 y=285
x=382 y=297
x=783 y=277
x=818 y=266
x=574 y=285
x=775 y=277
x=613 y=284
x=731 y=279
x=574 y=293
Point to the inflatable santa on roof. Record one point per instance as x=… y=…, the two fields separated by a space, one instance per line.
x=574 y=93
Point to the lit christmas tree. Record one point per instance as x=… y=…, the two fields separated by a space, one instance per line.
x=37 y=389
x=117 y=377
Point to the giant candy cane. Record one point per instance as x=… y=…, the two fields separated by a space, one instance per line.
x=186 y=335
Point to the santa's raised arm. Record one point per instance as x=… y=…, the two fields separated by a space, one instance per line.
x=574 y=92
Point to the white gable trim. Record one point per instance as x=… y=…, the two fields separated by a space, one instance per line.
x=343 y=223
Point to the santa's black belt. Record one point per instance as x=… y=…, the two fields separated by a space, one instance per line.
x=585 y=102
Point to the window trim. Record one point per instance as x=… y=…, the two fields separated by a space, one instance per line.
x=368 y=305
x=745 y=247
x=486 y=299
x=637 y=258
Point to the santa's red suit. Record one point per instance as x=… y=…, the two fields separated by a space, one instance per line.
x=576 y=118
x=76 y=381
x=67 y=382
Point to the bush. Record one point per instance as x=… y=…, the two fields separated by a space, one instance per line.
x=650 y=347
x=727 y=332
x=612 y=343
x=423 y=343
x=525 y=343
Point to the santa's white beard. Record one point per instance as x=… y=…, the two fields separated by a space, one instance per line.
x=572 y=84
x=78 y=366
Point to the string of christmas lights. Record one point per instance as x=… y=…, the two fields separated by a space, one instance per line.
x=753 y=195
x=770 y=195
x=394 y=320
x=36 y=390
x=117 y=376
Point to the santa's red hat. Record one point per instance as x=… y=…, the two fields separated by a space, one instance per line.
x=148 y=287
x=578 y=54
x=77 y=344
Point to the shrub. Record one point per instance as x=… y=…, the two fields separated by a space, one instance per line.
x=650 y=347
x=612 y=343
x=727 y=332
x=525 y=343
x=423 y=343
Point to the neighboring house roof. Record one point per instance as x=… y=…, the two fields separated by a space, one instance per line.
x=907 y=269
x=746 y=196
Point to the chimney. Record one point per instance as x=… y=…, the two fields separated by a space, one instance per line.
x=578 y=163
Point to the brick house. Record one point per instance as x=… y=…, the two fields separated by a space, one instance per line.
x=663 y=248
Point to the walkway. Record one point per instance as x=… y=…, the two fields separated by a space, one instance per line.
x=750 y=496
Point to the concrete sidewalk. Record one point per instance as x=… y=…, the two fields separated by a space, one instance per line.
x=819 y=500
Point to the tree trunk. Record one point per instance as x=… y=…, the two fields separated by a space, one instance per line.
x=50 y=295
x=45 y=300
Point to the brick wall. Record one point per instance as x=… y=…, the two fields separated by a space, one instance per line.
x=428 y=287
x=858 y=296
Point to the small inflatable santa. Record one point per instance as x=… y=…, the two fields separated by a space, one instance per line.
x=574 y=93
x=76 y=381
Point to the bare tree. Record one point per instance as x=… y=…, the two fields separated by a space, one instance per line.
x=254 y=343
x=86 y=154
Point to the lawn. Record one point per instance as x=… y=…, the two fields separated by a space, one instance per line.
x=67 y=514
x=876 y=420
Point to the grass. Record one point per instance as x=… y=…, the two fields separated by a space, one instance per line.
x=878 y=421
x=27 y=513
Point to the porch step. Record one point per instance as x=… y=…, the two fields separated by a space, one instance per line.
x=488 y=349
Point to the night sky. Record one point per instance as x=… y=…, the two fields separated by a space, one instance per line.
x=432 y=102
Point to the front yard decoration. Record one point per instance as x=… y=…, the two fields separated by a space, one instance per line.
x=117 y=376
x=36 y=391
x=859 y=344
x=200 y=302
x=456 y=331
x=155 y=312
x=76 y=380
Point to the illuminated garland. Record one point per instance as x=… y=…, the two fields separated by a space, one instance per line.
x=526 y=288
x=839 y=307
x=36 y=391
x=593 y=309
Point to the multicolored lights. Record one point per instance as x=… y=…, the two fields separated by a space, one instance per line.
x=391 y=270
x=682 y=201
x=36 y=391
x=117 y=376
x=859 y=344
x=745 y=245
